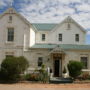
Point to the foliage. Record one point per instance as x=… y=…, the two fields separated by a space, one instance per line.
x=75 y=68
x=38 y=75
x=85 y=76
x=12 y=67
x=43 y=75
x=22 y=64
x=32 y=77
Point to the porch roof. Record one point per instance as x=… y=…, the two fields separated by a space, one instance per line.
x=62 y=46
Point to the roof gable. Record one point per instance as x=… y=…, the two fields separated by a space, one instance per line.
x=13 y=11
x=42 y=26
x=70 y=20
x=54 y=26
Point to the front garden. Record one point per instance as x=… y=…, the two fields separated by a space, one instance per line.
x=13 y=70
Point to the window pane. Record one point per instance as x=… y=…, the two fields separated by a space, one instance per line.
x=68 y=26
x=10 y=34
x=43 y=37
x=60 y=37
x=10 y=18
x=76 y=37
x=84 y=61
x=40 y=61
x=9 y=56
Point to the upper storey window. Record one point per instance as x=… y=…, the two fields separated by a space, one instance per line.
x=10 y=34
x=43 y=37
x=10 y=18
x=77 y=37
x=68 y=26
x=60 y=37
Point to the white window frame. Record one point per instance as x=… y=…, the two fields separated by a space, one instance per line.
x=40 y=61
x=77 y=37
x=10 y=35
x=43 y=37
x=60 y=35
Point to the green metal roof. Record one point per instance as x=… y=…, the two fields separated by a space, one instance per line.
x=44 y=26
x=62 y=46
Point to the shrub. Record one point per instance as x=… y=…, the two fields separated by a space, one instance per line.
x=38 y=75
x=75 y=68
x=12 y=67
x=85 y=76
x=43 y=74
x=32 y=77
x=22 y=64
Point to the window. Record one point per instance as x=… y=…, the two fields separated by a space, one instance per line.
x=43 y=37
x=77 y=37
x=10 y=18
x=60 y=37
x=68 y=26
x=10 y=34
x=40 y=61
x=8 y=56
x=84 y=61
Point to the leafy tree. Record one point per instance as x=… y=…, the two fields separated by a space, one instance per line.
x=75 y=68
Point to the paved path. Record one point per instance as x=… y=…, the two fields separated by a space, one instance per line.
x=42 y=87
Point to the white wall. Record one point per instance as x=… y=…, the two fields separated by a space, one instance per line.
x=32 y=37
x=68 y=35
x=33 y=55
x=20 y=29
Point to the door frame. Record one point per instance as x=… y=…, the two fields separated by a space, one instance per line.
x=56 y=67
x=60 y=65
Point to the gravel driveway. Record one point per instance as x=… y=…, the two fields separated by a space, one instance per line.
x=31 y=86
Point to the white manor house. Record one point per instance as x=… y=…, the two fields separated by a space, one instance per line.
x=43 y=43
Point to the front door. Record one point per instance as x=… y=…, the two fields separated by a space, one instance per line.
x=56 y=67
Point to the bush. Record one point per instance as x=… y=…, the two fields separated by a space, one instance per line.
x=85 y=76
x=32 y=77
x=43 y=74
x=38 y=75
x=75 y=68
x=12 y=67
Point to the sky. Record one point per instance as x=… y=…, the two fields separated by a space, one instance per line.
x=52 y=11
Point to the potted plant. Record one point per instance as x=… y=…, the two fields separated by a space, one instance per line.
x=64 y=73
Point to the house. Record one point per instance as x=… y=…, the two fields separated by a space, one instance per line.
x=43 y=43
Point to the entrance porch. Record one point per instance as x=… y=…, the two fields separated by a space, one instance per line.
x=58 y=64
x=58 y=60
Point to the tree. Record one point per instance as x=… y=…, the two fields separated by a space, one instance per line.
x=75 y=68
x=12 y=67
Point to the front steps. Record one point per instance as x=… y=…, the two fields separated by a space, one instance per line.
x=58 y=80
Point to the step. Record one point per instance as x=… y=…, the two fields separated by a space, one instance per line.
x=61 y=80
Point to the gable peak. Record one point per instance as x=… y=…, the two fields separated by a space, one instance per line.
x=68 y=19
x=10 y=10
